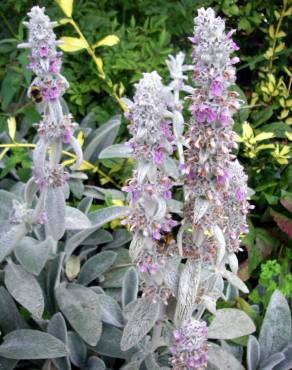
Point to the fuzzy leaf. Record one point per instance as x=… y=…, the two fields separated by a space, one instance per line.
x=253 y=353
x=78 y=349
x=275 y=332
x=201 y=206
x=235 y=281
x=218 y=359
x=10 y=238
x=96 y=266
x=24 y=288
x=32 y=254
x=120 y=237
x=27 y=344
x=6 y=200
x=80 y=306
x=230 y=323
x=286 y=364
x=76 y=220
x=115 y=151
x=56 y=211
x=272 y=361
x=111 y=312
x=187 y=291
x=7 y=364
x=142 y=320
x=130 y=286
x=72 y=267
x=94 y=363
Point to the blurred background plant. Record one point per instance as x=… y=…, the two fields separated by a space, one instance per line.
x=108 y=44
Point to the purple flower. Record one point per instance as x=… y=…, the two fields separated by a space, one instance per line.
x=43 y=51
x=224 y=117
x=240 y=194
x=221 y=179
x=216 y=88
x=67 y=136
x=158 y=156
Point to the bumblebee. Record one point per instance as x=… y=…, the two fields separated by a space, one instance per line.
x=165 y=242
x=35 y=93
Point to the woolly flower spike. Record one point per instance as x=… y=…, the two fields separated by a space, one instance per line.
x=42 y=42
x=56 y=127
x=190 y=348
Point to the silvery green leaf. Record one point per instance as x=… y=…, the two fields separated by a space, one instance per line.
x=53 y=272
x=235 y=280
x=78 y=349
x=94 y=363
x=57 y=328
x=130 y=286
x=218 y=359
x=230 y=323
x=96 y=266
x=103 y=137
x=114 y=277
x=76 y=220
x=138 y=244
x=120 y=237
x=100 y=236
x=201 y=206
x=220 y=242
x=232 y=262
x=10 y=238
x=76 y=187
x=178 y=123
x=133 y=365
x=111 y=312
x=7 y=364
x=171 y=274
x=6 y=200
x=272 y=361
x=24 y=288
x=33 y=254
x=233 y=349
x=72 y=267
x=253 y=353
x=175 y=206
x=93 y=192
x=30 y=191
x=98 y=219
x=142 y=320
x=127 y=310
x=39 y=156
x=150 y=362
x=286 y=364
x=231 y=292
x=80 y=306
x=115 y=151
x=55 y=211
x=78 y=151
x=187 y=291
x=10 y=318
x=210 y=303
x=275 y=332
x=171 y=167
x=27 y=344
x=85 y=204
x=76 y=175
x=109 y=343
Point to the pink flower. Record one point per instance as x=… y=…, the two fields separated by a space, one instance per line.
x=43 y=51
x=216 y=88
x=158 y=156
x=224 y=117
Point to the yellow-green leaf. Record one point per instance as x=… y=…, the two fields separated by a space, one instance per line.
x=64 y=21
x=264 y=136
x=109 y=40
x=70 y=44
x=80 y=138
x=99 y=64
x=11 y=122
x=66 y=6
x=280 y=34
x=289 y=135
x=72 y=267
x=247 y=131
x=271 y=31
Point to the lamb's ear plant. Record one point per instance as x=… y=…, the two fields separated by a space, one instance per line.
x=60 y=294
x=273 y=348
x=188 y=206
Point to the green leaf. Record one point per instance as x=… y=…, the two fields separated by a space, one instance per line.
x=27 y=344
x=24 y=288
x=278 y=128
x=115 y=151
x=80 y=306
x=78 y=349
x=96 y=266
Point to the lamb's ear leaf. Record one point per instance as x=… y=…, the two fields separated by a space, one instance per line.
x=286 y=364
x=218 y=359
x=94 y=363
x=24 y=288
x=130 y=286
x=111 y=312
x=116 y=151
x=272 y=361
x=76 y=220
x=57 y=328
x=142 y=320
x=275 y=332
x=7 y=364
x=253 y=353
x=10 y=238
x=78 y=349
x=55 y=209
x=80 y=306
x=27 y=344
x=230 y=323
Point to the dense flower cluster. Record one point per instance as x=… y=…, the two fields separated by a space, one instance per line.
x=190 y=348
x=209 y=140
x=56 y=126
